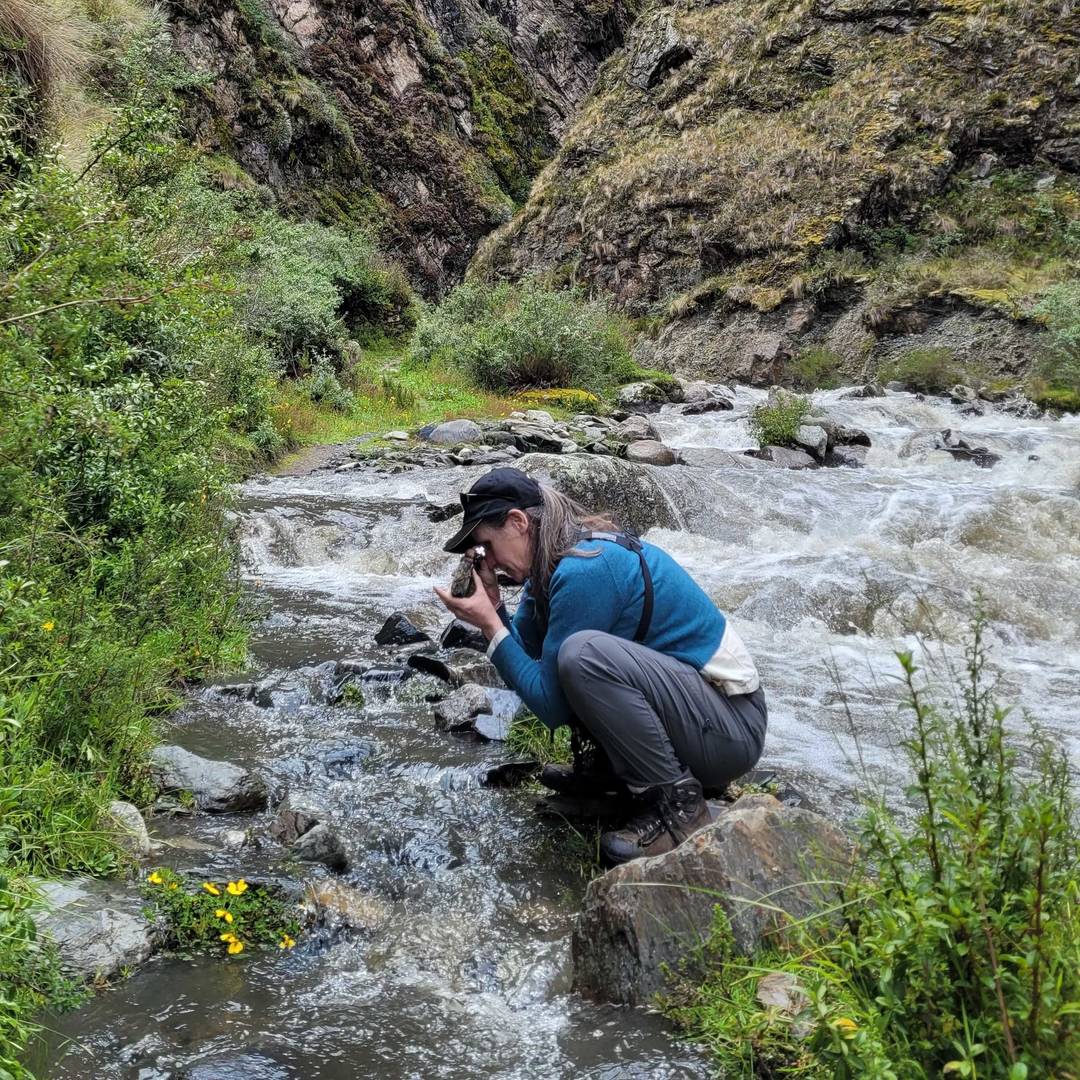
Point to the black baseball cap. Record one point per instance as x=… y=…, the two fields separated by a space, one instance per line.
x=493 y=494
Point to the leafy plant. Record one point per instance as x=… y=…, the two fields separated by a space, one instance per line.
x=530 y=737
x=777 y=424
x=958 y=950
x=928 y=371
x=1060 y=367
x=226 y=917
x=815 y=368
x=516 y=337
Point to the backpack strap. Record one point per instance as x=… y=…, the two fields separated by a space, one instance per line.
x=632 y=543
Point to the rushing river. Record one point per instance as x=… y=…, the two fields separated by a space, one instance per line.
x=464 y=970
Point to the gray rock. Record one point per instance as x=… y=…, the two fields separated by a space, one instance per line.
x=651 y=452
x=97 y=926
x=695 y=391
x=125 y=824
x=813 y=439
x=461 y=706
x=453 y=432
x=840 y=434
x=233 y=839
x=461 y=635
x=867 y=390
x=654 y=913
x=399 y=630
x=895 y=385
x=540 y=416
x=962 y=395
x=534 y=437
x=636 y=427
x=321 y=844
x=219 y=787
x=640 y=393
x=339 y=906
x=712 y=457
x=712 y=404
x=786 y=458
x=853 y=457
x=629 y=492
x=294 y=819
x=397 y=436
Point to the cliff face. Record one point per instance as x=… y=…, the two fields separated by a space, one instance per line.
x=425 y=118
x=758 y=173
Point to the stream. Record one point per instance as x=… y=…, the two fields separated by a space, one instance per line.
x=464 y=969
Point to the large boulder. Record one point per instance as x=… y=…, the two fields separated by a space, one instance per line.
x=755 y=861
x=126 y=826
x=634 y=427
x=219 y=787
x=650 y=452
x=630 y=493
x=453 y=432
x=97 y=927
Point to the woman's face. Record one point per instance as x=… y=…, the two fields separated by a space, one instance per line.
x=508 y=547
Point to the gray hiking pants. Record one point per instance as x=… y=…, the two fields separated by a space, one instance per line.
x=657 y=717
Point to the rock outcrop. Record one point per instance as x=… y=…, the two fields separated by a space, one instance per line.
x=740 y=165
x=218 y=787
x=425 y=120
x=755 y=861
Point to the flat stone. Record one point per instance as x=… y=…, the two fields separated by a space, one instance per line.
x=650 y=452
x=125 y=824
x=712 y=457
x=453 y=432
x=650 y=915
x=219 y=787
x=397 y=436
x=399 y=630
x=97 y=927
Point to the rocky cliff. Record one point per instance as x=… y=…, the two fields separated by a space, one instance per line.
x=864 y=175
x=425 y=118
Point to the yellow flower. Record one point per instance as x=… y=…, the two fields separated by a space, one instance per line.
x=235 y=947
x=846 y=1027
x=227 y=937
x=221 y=913
x=213 y=890
x=235 y=888
x=173 y=885
x=156 y=879
x=48 y=626
x=286 y=942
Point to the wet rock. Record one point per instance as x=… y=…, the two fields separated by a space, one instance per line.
x=443 y=511
x=851 y=457
x=785 y=457
x=460 y=635
x=1023 y=408
x=695 y=391
x=233 y=839
x=461 y=706
x=341 y=907
x=342 y=760
x=97 y=927
x=840 y=434
x=895 y=385
x=219 y=787
x=457 y=668
x=651 y=914
x=511 y=774
x=294 y=818
x=962 y=395
x=813 y=439
x=126 y=826
x=650 y=452
x=530 y=438
x=867 y=390
x=453 y=432
x=952 y=442
x=321 y=844
x=242 y=691
x=712 y=457
x=636 y=427
x=629 y=492
x=399 y=630
x=711 y=404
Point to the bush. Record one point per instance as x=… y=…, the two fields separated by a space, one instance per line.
x=777 y=424
x=816 y=368
x=927 y=371
x=321 y=386
x=958 y=949
x=517 y=337
x=1060 y=310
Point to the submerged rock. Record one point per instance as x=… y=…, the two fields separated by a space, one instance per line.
x=785 y=457
x=219 y=787
x=97 y=927
x=341 y=907
x=650 y=914
x=399 y=630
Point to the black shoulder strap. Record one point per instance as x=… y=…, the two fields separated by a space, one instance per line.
x=632 y=543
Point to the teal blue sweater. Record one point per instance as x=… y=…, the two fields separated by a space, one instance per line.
x=604 y=592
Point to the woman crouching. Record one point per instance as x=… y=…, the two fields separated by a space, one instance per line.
x=612 y=634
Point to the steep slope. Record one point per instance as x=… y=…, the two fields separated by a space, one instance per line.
x=426 y=119
x=758 y=171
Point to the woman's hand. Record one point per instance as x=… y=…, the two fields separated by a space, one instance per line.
x=478 y=609
x=486 y=572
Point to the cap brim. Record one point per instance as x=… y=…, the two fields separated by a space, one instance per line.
x=461 y=541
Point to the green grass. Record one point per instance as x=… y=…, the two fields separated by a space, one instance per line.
x=530 y=737
x=928 y=371
x=816 y=368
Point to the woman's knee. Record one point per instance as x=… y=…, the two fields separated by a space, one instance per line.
x=573 y=652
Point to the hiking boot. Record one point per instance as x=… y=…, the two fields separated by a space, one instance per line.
x=590 y=775
x=673 y=812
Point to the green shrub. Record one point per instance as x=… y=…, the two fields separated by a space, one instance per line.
x=777 y=424
x=1059 y=308
x=816 y=368
x=321 y=386
x=221 y=917
x=517 y=337
x=927 y=371
x=957 y=950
